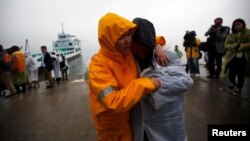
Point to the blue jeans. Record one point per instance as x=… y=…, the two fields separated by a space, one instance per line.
x=193 y=64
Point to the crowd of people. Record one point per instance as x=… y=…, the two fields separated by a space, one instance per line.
x=137 y=88
x=19 y=71
x=225 y=53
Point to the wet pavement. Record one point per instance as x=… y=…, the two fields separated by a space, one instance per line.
x=62 y=113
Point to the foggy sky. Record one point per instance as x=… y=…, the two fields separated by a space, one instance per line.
x=40 y=20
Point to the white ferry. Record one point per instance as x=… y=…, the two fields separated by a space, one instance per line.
x=66 y=45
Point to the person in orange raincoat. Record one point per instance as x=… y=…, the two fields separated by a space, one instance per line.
x=19 y=69
x=113 y=86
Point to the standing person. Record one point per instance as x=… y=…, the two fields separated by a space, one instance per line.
x=191 y=44
x=32 y=70
x=47 y=66
x=217 y=35
x=56 y=65
x=178 y=52
x=237 y=57
x=114 y=88
x=64 y=68
x=184 y=44
x=159 y=116
x=19 y=69
x=6 y=72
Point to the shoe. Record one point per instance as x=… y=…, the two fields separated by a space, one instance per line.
x=2 y=94
x=11 y=95
x=237 y=91
x=216 y=77
x=210 y=76
x=50 y=86
x=197 y=75
x=231 y=86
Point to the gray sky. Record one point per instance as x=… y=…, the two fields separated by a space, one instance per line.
x=40 y=20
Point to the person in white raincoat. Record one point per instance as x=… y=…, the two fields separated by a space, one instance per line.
x=159 y=116
x=31 y=70
x=57 y=70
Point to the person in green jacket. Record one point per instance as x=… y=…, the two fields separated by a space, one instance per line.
x=178 y=52
x=237 y=57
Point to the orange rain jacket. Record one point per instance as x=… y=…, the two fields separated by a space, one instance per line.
x=193 y=52
x=114 y=88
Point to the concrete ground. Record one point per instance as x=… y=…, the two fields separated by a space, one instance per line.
x=62 y=113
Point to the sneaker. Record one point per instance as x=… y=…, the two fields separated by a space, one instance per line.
x=231 y=86
x=210 y=76
x=237 y=91
x=217 y=77
x=197 y=75
x=11 y=95
x=50 y=86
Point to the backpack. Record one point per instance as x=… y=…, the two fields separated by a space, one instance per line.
x=200 y=55
x=203 y=46
x=5 y=61
x=19 y=61
x=189 y=39
x=7 y=58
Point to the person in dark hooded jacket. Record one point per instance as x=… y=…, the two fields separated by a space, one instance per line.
x=6 y=72
x=159 y=116
x=143 y=39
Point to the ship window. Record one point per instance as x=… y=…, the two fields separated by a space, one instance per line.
x=62 y=37
x=56 y=45
x=70 y=44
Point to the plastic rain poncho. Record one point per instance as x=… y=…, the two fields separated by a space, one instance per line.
x=161 y=114
x=56 y=64
x=31 y=68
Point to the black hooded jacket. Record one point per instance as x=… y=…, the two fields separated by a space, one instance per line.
x=145 y=33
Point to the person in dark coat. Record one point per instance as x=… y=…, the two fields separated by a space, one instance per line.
x=159 y=116
x=217 y=36
x=64 y=68
x=6 y=72
x=46 y=64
